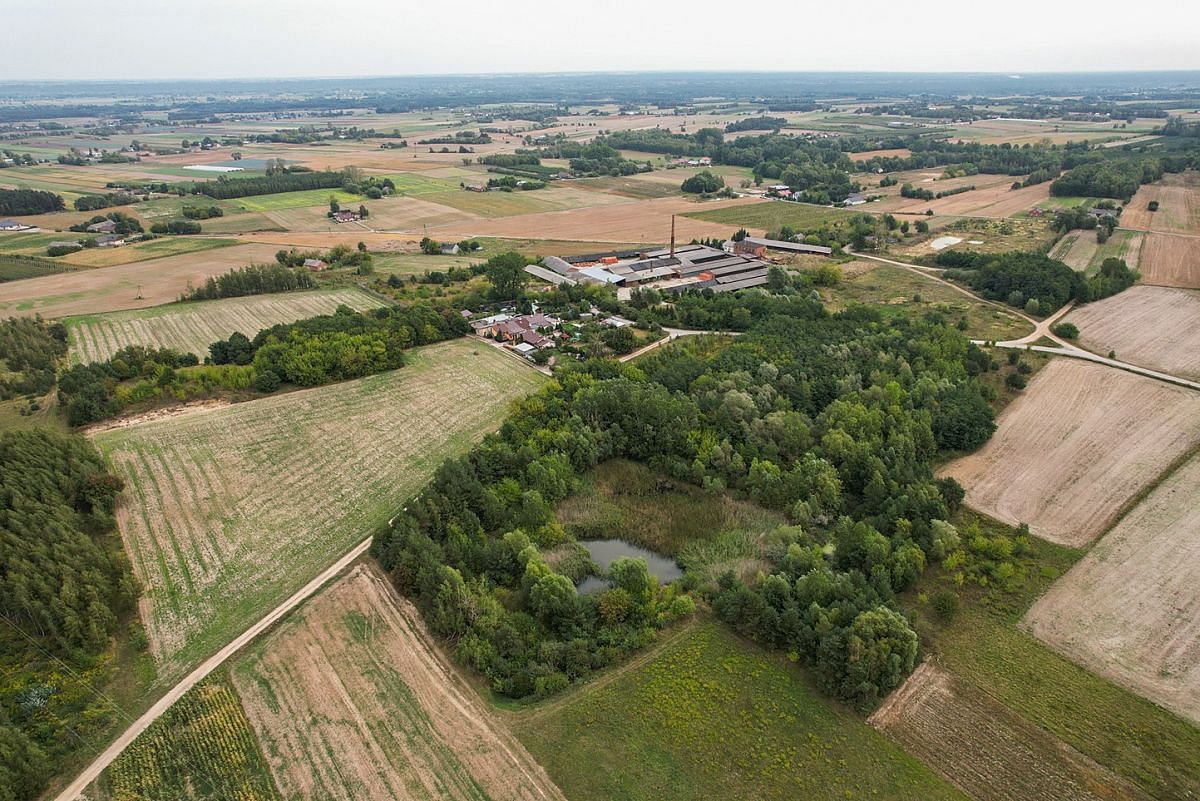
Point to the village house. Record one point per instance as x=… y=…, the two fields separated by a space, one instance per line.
x=345 y=216
x=110 y=241
x=316 y=265
x=103 y=227
x=449 y=249
x=13 y=225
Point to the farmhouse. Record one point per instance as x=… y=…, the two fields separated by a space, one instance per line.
x=449 y=249
x=110 y=241
x=316 y=265
x=346 y=216
x=854 y=200
x=103 y=227
x=13 y=225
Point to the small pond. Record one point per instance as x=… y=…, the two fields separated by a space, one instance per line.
x=605 y=552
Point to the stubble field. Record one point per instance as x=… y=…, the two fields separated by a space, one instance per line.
x=1178 y=196
x=1170 y=260
x=1129 y=610
x=228 y=511
x=384 y=717
x=986 y=749
x=192 y=327
x=1151 y=326
x=1080 y=443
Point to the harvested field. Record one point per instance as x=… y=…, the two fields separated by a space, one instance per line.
x=893 y=153
x=987 y=750
x=1170 y=260
x=994 y=200
x=192 y=327
x=229 y=510
x=647 y=221
x=1076 y=250
x=144 y=251
x=94 y=291
x=1081 y=442
x=633 y=186
x=1129 y=610
x=1151 y=326
x=1178 y=196
x=384 y=716
x=556 y=197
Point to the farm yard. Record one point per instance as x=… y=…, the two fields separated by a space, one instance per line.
x=1078 y=445
x=220 y=499
x=986 y=749
x=126 y=286
x=1150 y=326
x=386 y=717
x=192 y=327
x=709 y=716
x=1128 y=610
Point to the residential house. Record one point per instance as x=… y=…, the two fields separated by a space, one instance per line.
x=13 y=225
x=449 y=249
x=854 y=200
x=110 y=241
x=316 y=265
x=346 y=216
x=104 y=227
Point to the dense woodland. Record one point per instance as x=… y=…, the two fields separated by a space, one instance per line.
x=1033 y=281
x=65 y=586
x=30 y=350
x=253 y=279
x=29 y=201
x=227 y=188
x=832 y=419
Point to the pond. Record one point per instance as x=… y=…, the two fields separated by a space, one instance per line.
x=605 y=552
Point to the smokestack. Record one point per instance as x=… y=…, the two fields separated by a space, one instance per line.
x=672 y=236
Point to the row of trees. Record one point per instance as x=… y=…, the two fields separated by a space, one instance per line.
x=254 y=279
x=226 y=188
x=29 y=201
x=96 y=202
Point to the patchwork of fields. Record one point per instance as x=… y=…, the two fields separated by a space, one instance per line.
x=217 y=501
x=1076 y=446
x=388 y=719
x=192 y=327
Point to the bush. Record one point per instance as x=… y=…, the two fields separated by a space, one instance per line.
x=267 y=381
x=1153 y=205
x=702 y=182
x=1015 y=381
x=945 y=603
x=178 y=227
x=1065 y=330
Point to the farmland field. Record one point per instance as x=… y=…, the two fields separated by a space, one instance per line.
x=126 y=286
x=229 y=510
x=144 y=251
x=771 y=215
x=296 y=200
x=192 y=327
x=1170 y=260
x=1151 y=326
x=384 y=716
x=710 y=716
x=1076 y=250
x=996 y=200
x=1128 y=610
x=202 y=749
x=1081 y=442
x=986 y=749
x=1178 y=196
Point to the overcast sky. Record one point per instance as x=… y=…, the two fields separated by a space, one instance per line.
x=152 y=39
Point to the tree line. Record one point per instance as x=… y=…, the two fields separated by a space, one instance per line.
x=1034 y=281
x=30 y=349
x=253 y=279
x=228 y=188
x=29 y=201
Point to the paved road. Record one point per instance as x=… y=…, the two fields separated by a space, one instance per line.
x=93 y=771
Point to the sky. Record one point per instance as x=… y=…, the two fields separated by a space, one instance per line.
x=207 y=39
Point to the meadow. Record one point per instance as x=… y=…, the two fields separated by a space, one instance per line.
x=771 y=215
x=229 y=510
x=192 y=327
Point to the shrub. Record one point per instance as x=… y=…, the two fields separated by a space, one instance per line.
x=945 y=603
x=1065 y=330
x=267 y=381
x=1153 y=205
x=1015 y=381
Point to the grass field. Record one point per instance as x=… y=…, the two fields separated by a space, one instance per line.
x=144 y=251
x=896 y=288
x=709 y=716
x=192 y=327
x=1151 y=326
x=229 y=510
x=202 y=749
x=297 y=200
x=771 y=215
x=1081 y=442
x=1128 y=610
x=384 y=717
x=17 y=268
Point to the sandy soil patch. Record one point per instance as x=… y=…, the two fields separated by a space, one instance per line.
x=1130 y=609
x=192 y=327
x=986 y=749
x=110 y=288
x=1170 y=260
x=228 y=512
x=1076 y=446
x=1178 y=196
x=1151 y=326
x=646 y=221
x=381 y=715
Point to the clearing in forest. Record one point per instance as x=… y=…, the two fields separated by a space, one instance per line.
x=707 y=715
x=1150 y=326
x=1077 y=445
x=192 y=327
x=229 y=510
x=351 y=700
x=1129 y=609
x=985 y=748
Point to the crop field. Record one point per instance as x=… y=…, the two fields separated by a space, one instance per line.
x=296 y=200
x=1178 y=196
x=633 y=186
x=1076 y=250
x=897 y=288
x=986 y=749
x=145 y=251
x=645 y=222
x=1128 y=610
x=192 y=327
x=995 y=201
x=1078 y=445
x=202 y=749
x=1124 y=245
x=556 y=197
x=229 y=510
x=1151 y=326
x=709 y=716
x=1169 y=260
x=126 y=286
x=18 y=268
x=385 y=717
x=771 y=215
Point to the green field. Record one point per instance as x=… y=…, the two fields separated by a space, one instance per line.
x=192 y=327
x=15 y=268
x=144 y=251
x=296 y=200
x=632 y=186
x=1121 y=245
x=710 y=716
x=896 y=288
x=412 y=183
x=229 y=511
x=771 y=215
